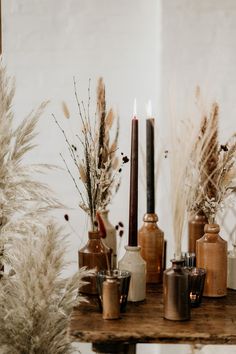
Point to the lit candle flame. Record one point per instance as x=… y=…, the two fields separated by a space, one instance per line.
x=135 y=109
x=149 y=109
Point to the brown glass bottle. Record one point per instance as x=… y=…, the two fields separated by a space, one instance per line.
x=94 y=255
x=151 y=240
x=195 y=230
x=211 y=254
x=176 y=292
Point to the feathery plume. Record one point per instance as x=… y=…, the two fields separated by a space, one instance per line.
x=36 y=302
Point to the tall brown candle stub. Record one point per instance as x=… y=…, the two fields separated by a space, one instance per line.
x=133 y=201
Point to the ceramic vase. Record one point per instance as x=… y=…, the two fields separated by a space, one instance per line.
x=110 y=239
x=151 y=241
x=135 y=264
x=196 y=226
x=176 y=292
x=94 y=255
x=211 y=254
x=231 y=275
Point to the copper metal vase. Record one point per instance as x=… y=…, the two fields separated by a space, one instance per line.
x=94 y=255
x=211 y=254
x=151 y=240
x=195 y=230
x=176 y=292
x=111 y=298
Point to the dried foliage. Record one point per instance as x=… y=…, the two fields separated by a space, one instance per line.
x=212 y=177
x=183 y=133
x=21 y=196
x=94 y=154
x=36 y=302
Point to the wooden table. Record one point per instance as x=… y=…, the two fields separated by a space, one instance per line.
x=214 y=322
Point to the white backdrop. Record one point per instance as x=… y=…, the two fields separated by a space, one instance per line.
x=143 y=49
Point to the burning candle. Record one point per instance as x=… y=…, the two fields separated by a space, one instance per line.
x=150 y=161
x=133 y=201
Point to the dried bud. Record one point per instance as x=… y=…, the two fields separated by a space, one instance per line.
x=125 y=159
x=121 y=232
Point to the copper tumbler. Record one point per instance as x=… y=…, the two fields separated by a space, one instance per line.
x=176 y=292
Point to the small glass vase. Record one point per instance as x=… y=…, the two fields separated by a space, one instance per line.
x=211 y=254
x=110 y=239
x=176 y=292
x=135 y=264
x=196 y=226
x=231 y=276
x=94 y=255
x=151 y=240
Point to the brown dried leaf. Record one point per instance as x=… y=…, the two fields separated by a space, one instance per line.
x=109 y=119
x=82 y=173
x=65 y=110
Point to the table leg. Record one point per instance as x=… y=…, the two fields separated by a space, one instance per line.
x=114 y=348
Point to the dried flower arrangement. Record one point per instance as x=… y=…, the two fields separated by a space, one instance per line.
x=213 y=172
x=21 y=196
x=182 y=136
x=36 y=302
x=94 y=154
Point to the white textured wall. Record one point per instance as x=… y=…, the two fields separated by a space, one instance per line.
x=47 y=42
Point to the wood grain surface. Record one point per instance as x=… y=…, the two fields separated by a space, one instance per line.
x=214 y=322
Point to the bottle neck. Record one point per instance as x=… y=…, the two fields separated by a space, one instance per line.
x=94 y=235
x=177 y=264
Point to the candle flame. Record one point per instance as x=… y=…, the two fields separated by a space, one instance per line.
x=135 y=108
x=149 y=109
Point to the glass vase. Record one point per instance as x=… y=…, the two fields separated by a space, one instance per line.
x=110 y=239
x=211 y=254
x=176 y=292
x=196 y=226
x=94 y=255
x=151 y=240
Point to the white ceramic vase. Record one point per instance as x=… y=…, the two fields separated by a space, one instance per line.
x=231 y=276
x=134 y=263
x=110 y=239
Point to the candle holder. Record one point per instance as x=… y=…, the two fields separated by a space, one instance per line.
x=123 y=277
x=135 y=264
x=151 y=240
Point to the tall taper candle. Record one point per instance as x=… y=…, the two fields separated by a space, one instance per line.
x=150 y=161
x=150 y=166
x=133 y=197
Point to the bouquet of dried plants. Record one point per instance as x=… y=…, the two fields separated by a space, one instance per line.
x=94 y=154
x=183 y=133
x=212 y=178
x=36 y=302
x=22 y=197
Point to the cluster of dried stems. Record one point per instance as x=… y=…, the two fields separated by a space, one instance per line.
x=23 y=199
x=212 y=177
x=36 y=302
x=94 y=154
x=203 y=172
